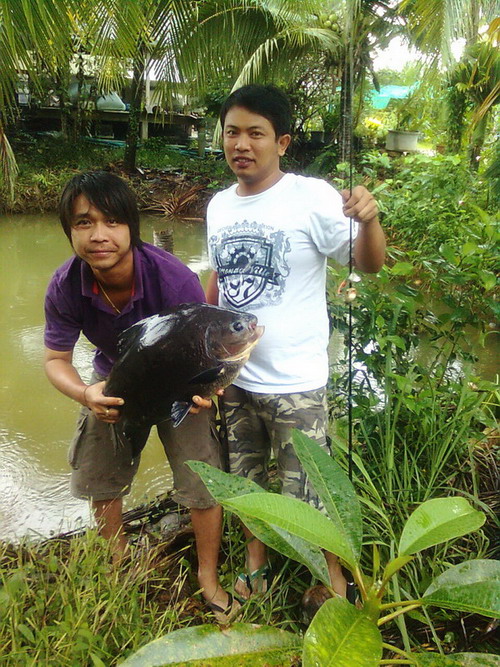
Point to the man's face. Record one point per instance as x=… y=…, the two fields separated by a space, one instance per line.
x=252 y=150
x=102 y=242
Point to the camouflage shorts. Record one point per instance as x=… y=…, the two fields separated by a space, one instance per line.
x=260 y=426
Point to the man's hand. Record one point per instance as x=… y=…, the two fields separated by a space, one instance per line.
x=360 y=205
x=203 y=402
x=103 y=407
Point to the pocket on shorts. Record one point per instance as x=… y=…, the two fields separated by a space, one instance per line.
x=76 y=443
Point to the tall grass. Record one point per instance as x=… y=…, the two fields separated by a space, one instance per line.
x=422 y=423
x=65 y=605
x=421 y=416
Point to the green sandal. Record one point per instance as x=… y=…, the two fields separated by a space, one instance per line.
x=258 y=582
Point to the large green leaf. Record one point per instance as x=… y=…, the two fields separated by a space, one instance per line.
x=222 y=485
x=290 y=546
x=456 y=660
x=334 y=488
x=471 y=586
x=436 y=521
x=297 y=518
x=341 y=636
x=250 y=645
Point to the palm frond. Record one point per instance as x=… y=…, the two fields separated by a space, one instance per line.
x=9 y=169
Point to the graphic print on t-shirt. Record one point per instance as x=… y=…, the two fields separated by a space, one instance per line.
x=251 y=264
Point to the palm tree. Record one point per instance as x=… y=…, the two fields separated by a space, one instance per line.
x=39 y=38
x=170 y=36
x=268 y=36
x=188 y=42
x=433 y=26
x=185 y=41
x=26 y=30
x=476 y=81
x=143 y=33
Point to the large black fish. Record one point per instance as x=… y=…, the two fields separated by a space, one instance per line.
x=164 y=360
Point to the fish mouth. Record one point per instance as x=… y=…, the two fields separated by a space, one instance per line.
x=240 y=352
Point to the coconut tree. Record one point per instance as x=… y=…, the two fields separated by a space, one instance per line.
x=269 y=36
x=165 y=36
x=434 y=25
x=475 y=81
x=185 y=41
x=38 y=39
x=142 y=33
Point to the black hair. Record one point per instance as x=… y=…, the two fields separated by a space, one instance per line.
x=107 y=192
x=267 y=101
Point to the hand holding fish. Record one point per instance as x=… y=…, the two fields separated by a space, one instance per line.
x=169 y=363
x=206 y=403
x=103 y=407
x=360 y=205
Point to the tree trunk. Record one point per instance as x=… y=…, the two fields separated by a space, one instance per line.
x=62 y=77
x=134 y=119
x=8 y=164
x=346 y=115
x=472 y=31
x=457 y=107
x=476 y=143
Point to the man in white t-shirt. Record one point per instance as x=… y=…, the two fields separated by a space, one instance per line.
x=269 y=237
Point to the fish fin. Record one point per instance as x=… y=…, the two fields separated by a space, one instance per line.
x=208 y=376
x=137 y=436
x=179 y=411
x=128 y=337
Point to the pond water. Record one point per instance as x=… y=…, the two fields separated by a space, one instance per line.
x=36 y=421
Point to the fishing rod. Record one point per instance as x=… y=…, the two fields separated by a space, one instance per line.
x=350 y=295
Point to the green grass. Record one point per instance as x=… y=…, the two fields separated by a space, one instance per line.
x=61 y=603
x=65 y=605
x=47 y=163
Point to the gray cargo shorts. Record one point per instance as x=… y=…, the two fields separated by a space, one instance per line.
x=103 y=468
x=259 y=427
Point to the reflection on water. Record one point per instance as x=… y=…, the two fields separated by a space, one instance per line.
x=36 y=421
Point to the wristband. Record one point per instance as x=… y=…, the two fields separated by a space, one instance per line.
x=85 y=396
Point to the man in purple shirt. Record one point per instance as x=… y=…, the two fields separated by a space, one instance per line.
x=113 y=281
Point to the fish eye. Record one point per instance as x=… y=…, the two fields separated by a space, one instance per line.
x=238 y=326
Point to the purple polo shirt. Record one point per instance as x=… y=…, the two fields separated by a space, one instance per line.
x=73 y=305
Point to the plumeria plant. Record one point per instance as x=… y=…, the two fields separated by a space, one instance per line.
x=341 y=634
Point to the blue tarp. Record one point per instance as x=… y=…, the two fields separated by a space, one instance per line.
x=379 y=100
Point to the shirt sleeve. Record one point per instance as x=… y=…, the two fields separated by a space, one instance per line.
x=329 y=227
x=61 y=328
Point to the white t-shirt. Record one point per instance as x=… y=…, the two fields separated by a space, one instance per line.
x=270 y=252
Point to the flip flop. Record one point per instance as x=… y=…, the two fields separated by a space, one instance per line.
x=262 y=575
x=224 y=615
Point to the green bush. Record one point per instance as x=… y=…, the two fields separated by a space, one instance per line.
x=63 y=604
x=427 y=201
